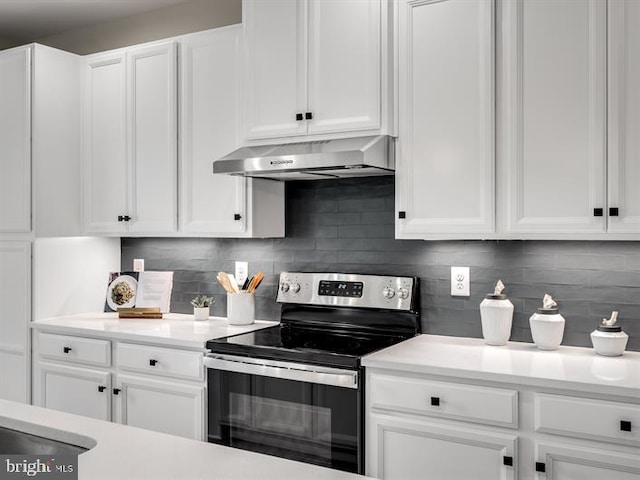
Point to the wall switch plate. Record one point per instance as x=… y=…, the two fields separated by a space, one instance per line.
x=138 y=264
x=460 y=282
x=242 y=271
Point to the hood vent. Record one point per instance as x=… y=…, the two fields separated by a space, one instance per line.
x=342 y=158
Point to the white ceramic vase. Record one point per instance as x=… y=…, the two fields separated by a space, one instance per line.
x=609 y=341
x=496 y=315
x=547 y=328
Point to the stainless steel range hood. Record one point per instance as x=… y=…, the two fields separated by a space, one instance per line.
x=347 y=157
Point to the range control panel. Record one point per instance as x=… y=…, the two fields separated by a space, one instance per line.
x=342 y=289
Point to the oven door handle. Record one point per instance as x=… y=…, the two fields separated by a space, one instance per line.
x=290 y=371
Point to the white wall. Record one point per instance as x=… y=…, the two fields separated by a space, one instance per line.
x=166 y=22
x=70 y=275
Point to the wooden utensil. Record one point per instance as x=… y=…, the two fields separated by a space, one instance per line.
x=255 y=281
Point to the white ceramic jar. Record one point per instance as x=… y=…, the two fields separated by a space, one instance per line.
x=609 y=341
x=241 y=308
x=547 y=328
x=496 y=315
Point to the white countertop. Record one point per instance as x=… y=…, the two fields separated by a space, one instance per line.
x=572 y=368
x=125 y=452
x=174 y=329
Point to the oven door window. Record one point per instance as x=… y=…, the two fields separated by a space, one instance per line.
x=296 y=420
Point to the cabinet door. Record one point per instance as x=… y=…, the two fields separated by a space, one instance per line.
x=153 y=137
x=554 y=54
x=344 y=62
x=210 y=80
x=104 y=147
x=15 y=313
x=445 y=157
x=403 y=450
x=624 y=116
x=570 y=463
x=15 y=140
x=275 y=64
x=81 y=391
x=162 y=406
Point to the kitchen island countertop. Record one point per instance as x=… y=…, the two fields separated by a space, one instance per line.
x=174 y=329
x=125 y=452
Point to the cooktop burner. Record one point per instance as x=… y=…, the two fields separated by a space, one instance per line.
x=304 y=345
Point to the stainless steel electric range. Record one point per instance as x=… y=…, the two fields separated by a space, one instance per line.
x=296 y=390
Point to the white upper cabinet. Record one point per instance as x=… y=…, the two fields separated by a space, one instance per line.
x=445 y=152
x=130 y=141
x=105 y=159
x=220 y=205
x=15 y=140
x=315 y=67
x=554 y=151
x=624 y=117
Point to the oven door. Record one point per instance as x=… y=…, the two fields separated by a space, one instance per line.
x=301 y=412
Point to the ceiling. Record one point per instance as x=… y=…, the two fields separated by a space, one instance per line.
x=28 y=20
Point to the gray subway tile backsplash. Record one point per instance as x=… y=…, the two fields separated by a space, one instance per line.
x=347 y=225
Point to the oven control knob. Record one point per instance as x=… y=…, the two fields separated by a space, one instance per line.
x=403 y=293
x=295 y=287
x=284 y=287
x=388 y=292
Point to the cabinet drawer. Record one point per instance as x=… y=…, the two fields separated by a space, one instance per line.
x=588 y=418
x=75 y=349
x=160 y=361
x=493 y=406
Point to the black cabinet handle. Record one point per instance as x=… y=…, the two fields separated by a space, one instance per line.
x=308 y=116
x=625 y=426
x=153 y=362
x=101 y=388
x=237 y=216
x=598 y=212
x=435 y=401
x=613 y=212
x=66 y=349
x=299 y=117
x=507 y=460
x=402 y=214
x=126 y=218
x=116 y=391
x=541 y=467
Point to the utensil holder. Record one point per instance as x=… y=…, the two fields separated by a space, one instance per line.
x=241 y=308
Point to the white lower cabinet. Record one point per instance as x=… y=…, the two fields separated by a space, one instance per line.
x=77 y=375
x=570 y=463
x=78 y=390
x=160 y=405
x=450 y=428
x=408 y=449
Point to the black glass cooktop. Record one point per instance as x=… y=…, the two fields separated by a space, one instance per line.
x=308 y=345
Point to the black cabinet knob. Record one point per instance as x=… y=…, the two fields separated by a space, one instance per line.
x=598 y=212
x=126 y=218
x=402 y=214
x=153 y=362
x=625 y=426
x=237 y=216
x=299 y=117
x=613 y=212
x=66 y=349
x=101 y=388
x=116 y=391
x=308 y=116
x=507 y=460
x=541 y=467
x=435 y=401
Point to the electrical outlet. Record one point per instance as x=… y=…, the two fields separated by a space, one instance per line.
x=460 y=282
x=242 y=271
x=138 y=264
